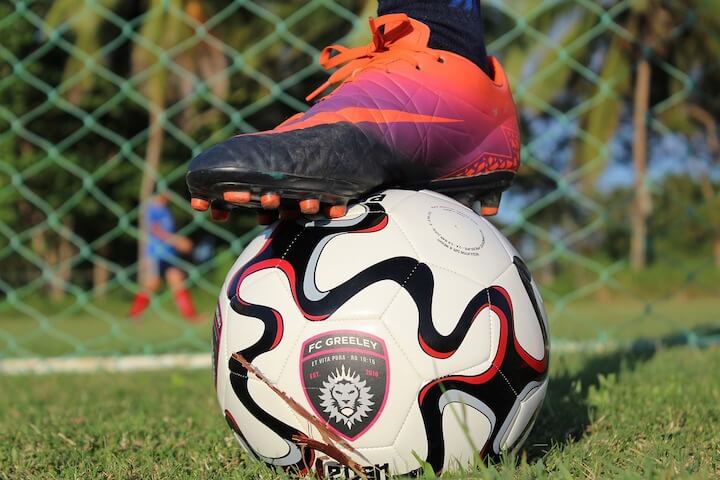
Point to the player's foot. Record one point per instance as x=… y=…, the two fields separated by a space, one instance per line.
x=140 y=303
x=405 y=116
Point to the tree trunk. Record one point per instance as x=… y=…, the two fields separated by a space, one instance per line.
x=642 y=206
x=62 y=269
x=149 y=176
x=706 y=119
x=51 y=259
x=101 y=274
x=38 y=240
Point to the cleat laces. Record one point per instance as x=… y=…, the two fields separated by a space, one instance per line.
x=383 y=47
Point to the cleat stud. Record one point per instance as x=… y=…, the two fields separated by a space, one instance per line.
x=488 y=211
x=336 y=211
x=270 y=201
x=219 y=215
x=310 y=206
x=266 y=218
x=199 y=204
x=490 y=204
x=237 y=197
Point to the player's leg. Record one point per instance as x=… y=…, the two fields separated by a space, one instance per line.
x=416 y=108
x=455 y=25
x=151 y=283
x=176 y=281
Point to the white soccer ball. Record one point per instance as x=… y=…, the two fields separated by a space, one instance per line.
x=409 y=330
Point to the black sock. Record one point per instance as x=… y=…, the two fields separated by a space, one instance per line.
x=455 y=25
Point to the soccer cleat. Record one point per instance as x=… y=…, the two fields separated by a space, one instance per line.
x=404 y=116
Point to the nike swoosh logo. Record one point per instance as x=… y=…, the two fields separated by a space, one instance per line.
x=362 y=114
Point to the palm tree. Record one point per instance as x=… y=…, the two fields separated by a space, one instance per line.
x=164 y=73
x=166 y=25
x=84 y=20
x=176 y=51
x=571 y=50
x=711 y=197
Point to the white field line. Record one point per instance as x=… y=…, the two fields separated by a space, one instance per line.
x=189 y=361
x=128 y=363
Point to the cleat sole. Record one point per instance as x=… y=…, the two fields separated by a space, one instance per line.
x=237 y=189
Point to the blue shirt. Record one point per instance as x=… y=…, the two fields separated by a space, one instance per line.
x=159 y=216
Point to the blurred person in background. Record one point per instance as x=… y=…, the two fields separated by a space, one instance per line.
x=162 y=252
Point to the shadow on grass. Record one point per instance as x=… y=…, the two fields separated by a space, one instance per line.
x=566 y=415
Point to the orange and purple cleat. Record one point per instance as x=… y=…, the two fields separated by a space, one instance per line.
x=404 y=116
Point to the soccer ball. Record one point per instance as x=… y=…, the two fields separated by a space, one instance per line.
x=407 y=333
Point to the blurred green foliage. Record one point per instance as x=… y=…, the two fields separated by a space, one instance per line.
x=102 y=100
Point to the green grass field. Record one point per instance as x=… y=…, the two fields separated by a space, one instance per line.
x=645 y=415
x=648 y=413
x=102 y=329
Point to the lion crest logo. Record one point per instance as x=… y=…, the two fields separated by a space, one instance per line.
x=345 y=378
x=345 y=397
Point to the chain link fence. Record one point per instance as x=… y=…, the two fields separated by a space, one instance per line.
x=616 y=207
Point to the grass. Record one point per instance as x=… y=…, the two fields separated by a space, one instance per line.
x=632 y=318
x=651 y=413
x=103 y=329
x=645 y=415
